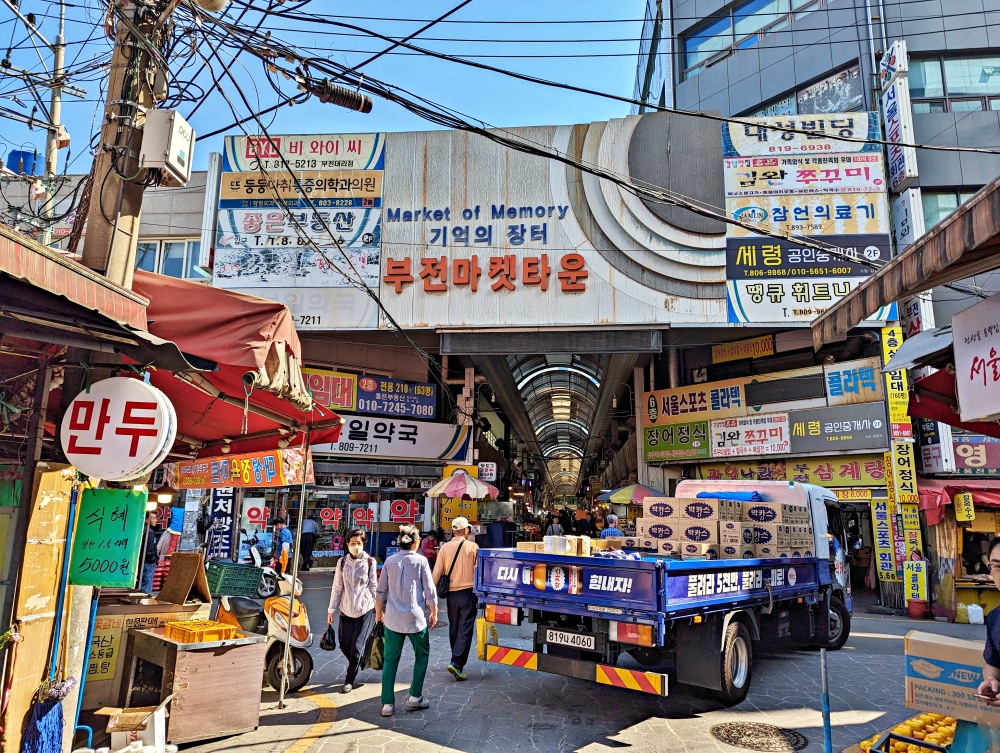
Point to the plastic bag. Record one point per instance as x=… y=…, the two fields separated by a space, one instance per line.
x=375 y=648
x=976 y=614
x=962 y=614
x=329 y=640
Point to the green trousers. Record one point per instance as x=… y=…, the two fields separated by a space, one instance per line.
x=421 y=643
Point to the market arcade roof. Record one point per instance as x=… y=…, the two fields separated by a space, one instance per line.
x=963 y=244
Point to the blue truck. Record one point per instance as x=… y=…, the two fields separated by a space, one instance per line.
x=635 y=623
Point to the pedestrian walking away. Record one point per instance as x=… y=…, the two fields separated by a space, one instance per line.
x=612 y=531
x=405 y=590
x=457 y=559
x=149 y=556
x=310 y=528
x=353 y=593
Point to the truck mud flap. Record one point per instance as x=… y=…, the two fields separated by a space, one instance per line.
x=629 y=679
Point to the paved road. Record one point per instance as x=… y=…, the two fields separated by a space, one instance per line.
x=503 y=709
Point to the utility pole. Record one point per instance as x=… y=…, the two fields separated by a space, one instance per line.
x=55 y=115
x=116 y=198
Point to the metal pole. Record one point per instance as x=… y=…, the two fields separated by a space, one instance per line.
x=55 y=115
x=827 y=733
x=285 y=662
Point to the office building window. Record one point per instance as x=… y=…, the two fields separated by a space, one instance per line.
x=174 y=258
x=965 y=84
x=742 y=25
x=939 y=204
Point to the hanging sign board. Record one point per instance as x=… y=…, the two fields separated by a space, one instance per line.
x=915 y=580
x=118 y=429
x=964 y=510
x=108 y=537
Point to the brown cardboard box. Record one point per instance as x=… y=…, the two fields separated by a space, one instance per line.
x=691 y=549
x=658 y=528
x=942 y=676
x=765 y=551
x=668 y=547
x=699 y=532
x=703 y=510
x=599 y=545
x=762 y=512
x=583 y=546
x=735 y=533
x=661 y=507
x=767 y=533
x=613 y=543
x=531 y=547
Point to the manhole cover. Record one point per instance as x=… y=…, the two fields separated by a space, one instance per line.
x=763 y=737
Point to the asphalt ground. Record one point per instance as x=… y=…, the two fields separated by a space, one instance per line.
x=503 y=709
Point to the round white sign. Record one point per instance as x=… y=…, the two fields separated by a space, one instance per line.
x=118 y=429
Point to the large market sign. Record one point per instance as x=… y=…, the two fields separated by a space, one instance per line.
x=405 y=440
x=831 y=472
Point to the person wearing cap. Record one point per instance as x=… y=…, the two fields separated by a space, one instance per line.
x=457 y=559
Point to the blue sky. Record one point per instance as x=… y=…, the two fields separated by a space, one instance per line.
x=486 y=96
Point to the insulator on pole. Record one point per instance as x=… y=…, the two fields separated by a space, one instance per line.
x=330 y=93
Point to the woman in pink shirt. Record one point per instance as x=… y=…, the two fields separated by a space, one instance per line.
x=353 y=593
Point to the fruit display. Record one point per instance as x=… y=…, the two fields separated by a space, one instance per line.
x=914 y=736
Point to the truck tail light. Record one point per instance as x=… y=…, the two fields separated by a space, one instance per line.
x=629 y=632
x=503 y=615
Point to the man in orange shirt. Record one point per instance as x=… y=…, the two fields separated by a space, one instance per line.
x=457 y=559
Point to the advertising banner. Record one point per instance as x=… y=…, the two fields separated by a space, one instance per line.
x=885 y=563
x=904 y=472
x=977 y=363
x=676 y=442
x=753 y=435
x=976 y=455
x=402 y=439
x=685 y=588
x=896 y=385
x=803 y=174
x=831 y=472
x=395 y=397
x=303 y=213
x=681 y=404
x=756 y=347
x=844 y=428
x=915 y=580
x=808 y=134
x=829 y=214
x=791 y=300
x=254 y=469
x=899 y=130
x=765 y=258
x=853 y=382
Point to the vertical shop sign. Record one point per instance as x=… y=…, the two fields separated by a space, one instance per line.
x=965 y=511
x=882 y=535
x=108 y=536
x=898 y=540
x=896 y=386
x=904 y=472
x=915 y=580
x=222 y=533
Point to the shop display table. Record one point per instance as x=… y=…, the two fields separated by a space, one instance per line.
x=216 y=685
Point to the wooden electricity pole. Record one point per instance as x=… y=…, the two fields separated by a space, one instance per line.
x=117 y=177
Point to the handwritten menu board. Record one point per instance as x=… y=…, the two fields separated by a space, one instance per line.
x=108 y=538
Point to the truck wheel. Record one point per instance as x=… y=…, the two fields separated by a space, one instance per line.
x=736 y=664
x=840 y=624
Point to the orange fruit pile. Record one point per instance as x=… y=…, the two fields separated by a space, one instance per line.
x=931 y=728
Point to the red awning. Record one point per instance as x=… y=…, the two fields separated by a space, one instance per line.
x=256 y=395
x=56 y=273
x=934 y=398
x=935 y=494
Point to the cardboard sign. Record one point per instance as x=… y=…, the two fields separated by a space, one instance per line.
x=943 y=675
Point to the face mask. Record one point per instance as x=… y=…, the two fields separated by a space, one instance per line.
x=355 y=549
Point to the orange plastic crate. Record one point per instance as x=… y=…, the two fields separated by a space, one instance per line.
x=199 y=631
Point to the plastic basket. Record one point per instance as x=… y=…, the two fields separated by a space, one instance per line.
x=232 y=579
x=199 y=631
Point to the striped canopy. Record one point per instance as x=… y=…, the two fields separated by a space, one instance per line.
x=460 y=484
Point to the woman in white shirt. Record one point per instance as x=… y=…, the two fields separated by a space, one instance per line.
x=353 y=593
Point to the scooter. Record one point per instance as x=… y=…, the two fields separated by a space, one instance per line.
x=268 y=585
x=272 y=620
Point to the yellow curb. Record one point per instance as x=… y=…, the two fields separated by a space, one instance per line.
x=327 y=716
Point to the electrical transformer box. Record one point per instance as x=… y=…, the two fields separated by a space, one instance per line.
x=168 y=146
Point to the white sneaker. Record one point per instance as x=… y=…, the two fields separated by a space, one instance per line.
x=417 y=704
x=348 y=687
x=388 y=709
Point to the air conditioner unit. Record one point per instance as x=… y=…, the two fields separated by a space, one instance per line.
x=168 y=146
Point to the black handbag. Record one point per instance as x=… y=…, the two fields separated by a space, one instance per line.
x=375 y=648
x=329 y=640
x=444 y=581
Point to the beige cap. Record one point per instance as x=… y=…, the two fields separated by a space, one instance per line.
x=459 y=524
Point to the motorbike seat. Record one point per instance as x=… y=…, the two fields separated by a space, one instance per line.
x=241 y=606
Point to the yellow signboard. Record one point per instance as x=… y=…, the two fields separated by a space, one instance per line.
x=964 y=511
x=697 y=402
x=914 y=542
x=458 y=508
x=743 y=349
x=910 y=513
x=915 y=580
x=904 y=472
x=885 y=561
x=836 y=471
x=896 y=386
x=853 y=494
x=332 y=389
x=449 y=470
x=105 y=646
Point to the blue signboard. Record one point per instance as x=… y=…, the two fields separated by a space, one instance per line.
x=394 y=397
x=704 y=585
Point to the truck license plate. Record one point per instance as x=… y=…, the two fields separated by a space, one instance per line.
x=575 y=640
